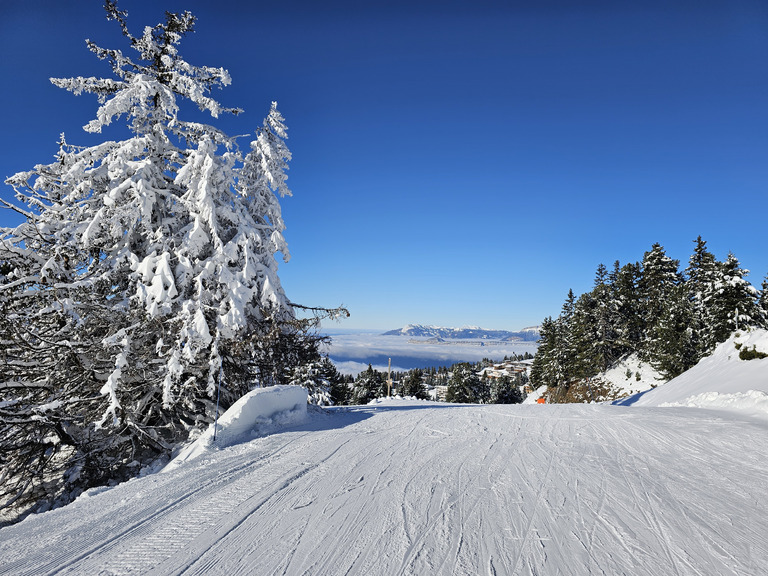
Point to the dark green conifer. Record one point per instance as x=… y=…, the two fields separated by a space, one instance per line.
x=368 y=386
x=464 y=386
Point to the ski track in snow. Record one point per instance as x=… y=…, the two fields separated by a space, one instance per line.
x=420 y=488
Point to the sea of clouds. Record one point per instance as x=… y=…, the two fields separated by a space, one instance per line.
x=353 y=351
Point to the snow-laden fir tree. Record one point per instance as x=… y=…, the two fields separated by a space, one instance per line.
x=593 y=329
x=466 y=387
x=735 y=302
x=546 y=369
x=722 y=298
x=322 y=381
x=702 y=278
x=673 y=337
x=368 y=386
x=628 y=322
x=414 y=385
x=143 y=277
x=554 y=364
x=505 y=390
x=658 y=293
x=762 y=302
x=604 y=320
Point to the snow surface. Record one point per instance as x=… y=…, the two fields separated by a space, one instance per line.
x=411 y=487
x=721 y=381
x=631 y=376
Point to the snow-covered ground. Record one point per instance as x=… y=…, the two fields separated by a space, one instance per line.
x=410 y=487
x=631 y=376
x=720 y=381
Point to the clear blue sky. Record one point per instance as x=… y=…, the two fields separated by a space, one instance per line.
x=456 y=162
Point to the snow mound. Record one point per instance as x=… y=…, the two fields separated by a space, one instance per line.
x=722 y=380
x=752 y=402
x=259 y=412
x=631 y=376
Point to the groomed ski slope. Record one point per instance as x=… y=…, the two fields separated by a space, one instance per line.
x=407 y=487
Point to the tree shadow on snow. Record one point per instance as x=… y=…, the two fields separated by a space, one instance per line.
x=329 y=418
x=319 y=419
x=630 y=400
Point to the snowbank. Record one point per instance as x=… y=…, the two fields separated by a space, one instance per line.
x=260 y=411
x=721 y=380
x=631 y=376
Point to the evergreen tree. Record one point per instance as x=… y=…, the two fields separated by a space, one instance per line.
x=543 y=367
x=723 y=299
x=593 y=333
x=554 y=363
x=675 y=349
x=585 y=338
x=606 y=348
x=650 y=309
x=341 y=385
x=629 y=323
x=569 y=307
x=368 y=386
x=143 y=279
x=483 y=391
x=321 y=379
x=763 y=302
x=413 y=385
x=464 y=386
x=566 y=351
x=504 y=390
x=703 y=274
x=735 y=302
x=669 y=341
x=658 y=289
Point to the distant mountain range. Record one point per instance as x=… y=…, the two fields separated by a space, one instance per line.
x=467 y=333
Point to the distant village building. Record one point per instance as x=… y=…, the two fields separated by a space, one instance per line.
x=516 y=370
x=511 y=369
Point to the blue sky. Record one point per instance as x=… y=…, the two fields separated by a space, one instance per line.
x=456 y=163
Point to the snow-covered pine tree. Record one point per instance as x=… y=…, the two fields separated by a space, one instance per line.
x=702 y=277
x=649 y=309
x=673 y=336
x=505 y=390
x=723 y=299
x=321 y=379
x=593 y=330
x=658 y=294
x=625 y=307
x=413 y=385
x=763 y=302
x=465 y=386
x=584 y=337
x=562 y=366
x=605 y=321
x=368 y=386
x=341 y=390
x=541 y=367
x=553 y=363
x=734 y=305
x=143 y=277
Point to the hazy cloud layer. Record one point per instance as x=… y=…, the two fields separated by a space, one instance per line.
x=353 y=352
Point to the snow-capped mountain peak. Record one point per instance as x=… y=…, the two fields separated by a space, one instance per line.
x=464 y=333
